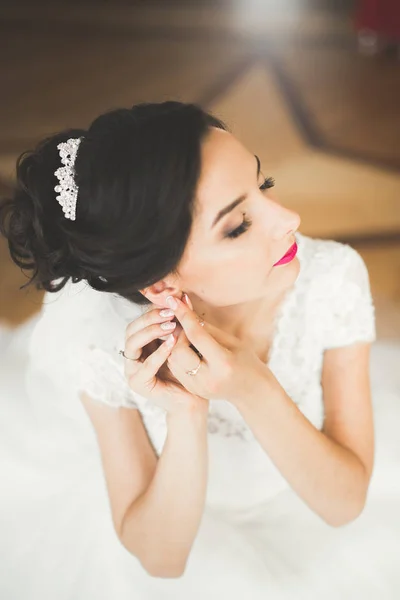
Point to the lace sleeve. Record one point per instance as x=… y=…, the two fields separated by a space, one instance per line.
x=102 y=378
x=351 y=316
x=75 y=347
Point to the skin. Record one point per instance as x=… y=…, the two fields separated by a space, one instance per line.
x=232 y=283
x=235 y=287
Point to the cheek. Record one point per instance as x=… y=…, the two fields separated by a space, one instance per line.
x=235 y=282
x=237 y=272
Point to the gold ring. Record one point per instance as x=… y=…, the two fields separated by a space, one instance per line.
x=194 y=371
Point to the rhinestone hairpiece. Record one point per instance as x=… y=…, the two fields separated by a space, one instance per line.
x=67 y=187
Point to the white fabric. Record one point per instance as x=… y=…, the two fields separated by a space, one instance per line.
x=257 y=538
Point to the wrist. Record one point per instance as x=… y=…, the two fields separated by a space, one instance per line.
x=195 y=409
x=262 y=388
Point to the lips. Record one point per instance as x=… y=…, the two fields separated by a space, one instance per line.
x=288 y=257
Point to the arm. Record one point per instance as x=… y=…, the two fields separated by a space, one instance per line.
x=160 y=526
x=156 y=504
x=330 y=470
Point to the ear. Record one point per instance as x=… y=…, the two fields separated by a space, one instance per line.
x=158 y=292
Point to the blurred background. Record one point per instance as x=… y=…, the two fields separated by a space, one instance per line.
x=312 y=87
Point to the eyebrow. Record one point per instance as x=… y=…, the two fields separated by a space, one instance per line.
x=232 y=205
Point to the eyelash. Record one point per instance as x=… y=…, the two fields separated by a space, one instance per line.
x=244 y=226
x=268 y=183
x=241 y=229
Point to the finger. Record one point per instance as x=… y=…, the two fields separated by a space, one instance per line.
x=149 y=318
x=227 y=340
x=135 y=343
x=196 y=334
x=182 y=359
x=145 y=375
x=176 y=331
x=181 y=349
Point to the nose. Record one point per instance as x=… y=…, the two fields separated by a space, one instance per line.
x=287 y=223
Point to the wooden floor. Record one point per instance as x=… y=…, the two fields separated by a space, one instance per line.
x=291 y=84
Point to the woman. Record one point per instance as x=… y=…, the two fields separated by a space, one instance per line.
x=220 y=358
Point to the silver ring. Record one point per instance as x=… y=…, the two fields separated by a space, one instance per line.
x=194 y=371
x=134 y=359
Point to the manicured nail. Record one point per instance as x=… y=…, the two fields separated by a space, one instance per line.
x=166 y=312
x=170 y=341
x=171 y=302
x=168 y=325
x=187 y=300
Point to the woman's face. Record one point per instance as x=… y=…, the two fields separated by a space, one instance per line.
x=239 y=230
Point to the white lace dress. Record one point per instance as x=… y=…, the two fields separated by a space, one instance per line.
x=257 y=538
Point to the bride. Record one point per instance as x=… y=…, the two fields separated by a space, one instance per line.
x=199 y=412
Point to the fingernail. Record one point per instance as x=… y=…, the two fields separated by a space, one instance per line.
x=168 y=325
x=170 y=341
x=166 y=312
x=171 y=302
x=187 y=300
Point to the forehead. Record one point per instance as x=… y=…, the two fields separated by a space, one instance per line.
x=225 y=167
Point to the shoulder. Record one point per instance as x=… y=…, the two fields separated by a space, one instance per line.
x=329 y=260
x=78 y=306
x=72 y=302
x=63 y=314
x=75 y=321
x=335 y=282
x=76 y=342
x=79 y=317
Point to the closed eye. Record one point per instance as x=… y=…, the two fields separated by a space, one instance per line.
x=268 y=183
x=244 y=226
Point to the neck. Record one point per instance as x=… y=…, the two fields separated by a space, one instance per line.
x=248 y=321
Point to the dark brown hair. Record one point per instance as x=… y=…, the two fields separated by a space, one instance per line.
x=137 y=170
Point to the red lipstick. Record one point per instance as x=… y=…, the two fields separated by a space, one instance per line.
x=289 y=256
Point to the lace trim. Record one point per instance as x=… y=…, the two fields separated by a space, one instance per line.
x=102 y=379
x=296 y=352
x=227 y=427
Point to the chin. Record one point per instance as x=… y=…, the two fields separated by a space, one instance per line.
x=293 y=269
x=287 y=274
x=295 y=266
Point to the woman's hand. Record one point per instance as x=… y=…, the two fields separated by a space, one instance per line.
x=146 y=369
x=228 y=368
